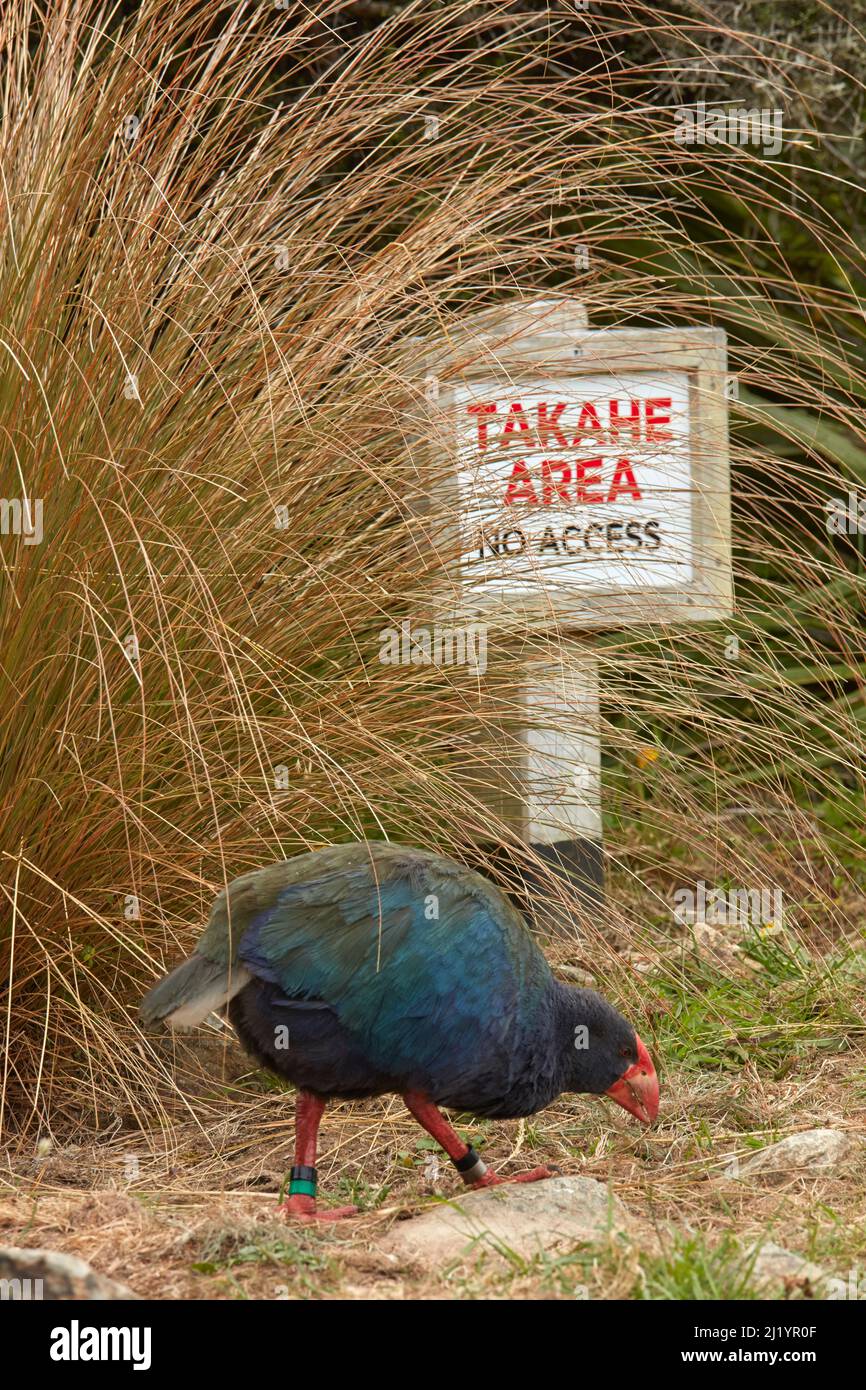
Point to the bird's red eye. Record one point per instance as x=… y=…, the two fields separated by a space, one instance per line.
x=625 y=1052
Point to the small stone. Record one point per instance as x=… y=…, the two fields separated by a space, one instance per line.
x=812 y=1151
x=528 y=1218
x=782 y=1269
x=29 y=1274
x=717 y=950
x=576 y=975
x=640 y=962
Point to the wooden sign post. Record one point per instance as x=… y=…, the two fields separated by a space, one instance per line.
x=580 y=481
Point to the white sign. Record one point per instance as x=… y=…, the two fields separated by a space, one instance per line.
x=579 y=476
x=588 y=473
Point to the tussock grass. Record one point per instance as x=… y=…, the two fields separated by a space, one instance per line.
x=227 y=245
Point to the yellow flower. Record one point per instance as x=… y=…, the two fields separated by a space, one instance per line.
x=645 y=756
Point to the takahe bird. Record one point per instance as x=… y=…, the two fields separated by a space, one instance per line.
x=369 y=968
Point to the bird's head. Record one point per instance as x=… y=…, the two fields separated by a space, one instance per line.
x=609 y=1058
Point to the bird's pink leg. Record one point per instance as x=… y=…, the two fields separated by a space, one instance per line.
x=300 y=1205
x=472 y=1170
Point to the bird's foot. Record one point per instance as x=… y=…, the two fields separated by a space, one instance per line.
x=303 y=1209
x=533 y=1175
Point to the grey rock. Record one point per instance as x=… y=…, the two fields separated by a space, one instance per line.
x=812 y=1151
x=577 y=976
x=779 y=1269
x=47 y=1274
x=527 y=1218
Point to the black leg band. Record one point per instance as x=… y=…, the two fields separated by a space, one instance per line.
x=469 y=1160
x=470 y=1166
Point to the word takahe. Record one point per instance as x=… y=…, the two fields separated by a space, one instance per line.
x=370 y=968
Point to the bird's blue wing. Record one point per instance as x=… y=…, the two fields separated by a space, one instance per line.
x=425 y=962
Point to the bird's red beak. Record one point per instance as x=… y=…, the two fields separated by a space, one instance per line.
x=638 y=1088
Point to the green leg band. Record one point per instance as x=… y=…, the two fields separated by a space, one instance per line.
x=307 y=1188
x=302 y=1182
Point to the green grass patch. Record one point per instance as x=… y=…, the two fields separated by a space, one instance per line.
x=791 y=1007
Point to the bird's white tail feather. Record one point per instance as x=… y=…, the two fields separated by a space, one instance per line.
x=194 y=989
x=195 y=1011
